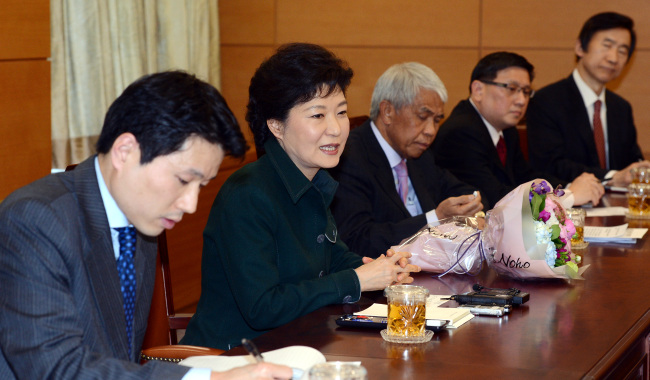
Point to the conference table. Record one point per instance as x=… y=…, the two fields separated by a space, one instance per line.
x=596 y=328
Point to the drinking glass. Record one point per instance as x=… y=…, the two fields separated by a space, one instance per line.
x=406 y=314
x=638 y=200
x=577 y=216
x=337 y=371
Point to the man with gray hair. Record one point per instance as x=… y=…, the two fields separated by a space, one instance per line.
x=389 y=184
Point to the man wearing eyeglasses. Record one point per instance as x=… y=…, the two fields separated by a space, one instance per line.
x=576 y=125
x=479 y=143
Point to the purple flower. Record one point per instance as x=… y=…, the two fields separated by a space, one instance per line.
x=558 y=191
x=541 y=188
x=544 y=215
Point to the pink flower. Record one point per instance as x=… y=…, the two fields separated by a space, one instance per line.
x=570 y=228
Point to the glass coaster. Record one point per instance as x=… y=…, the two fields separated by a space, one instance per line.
x=582 y=245
x=428 y=334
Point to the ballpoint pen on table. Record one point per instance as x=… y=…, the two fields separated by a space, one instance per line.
x=251 y=348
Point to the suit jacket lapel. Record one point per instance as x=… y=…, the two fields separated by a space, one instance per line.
x=380 y=166
x=99 y=258
x=581 y=120
x=481 y=131
x=613 y=137
x=419 y=175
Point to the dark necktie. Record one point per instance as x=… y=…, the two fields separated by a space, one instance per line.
x=126 y=270
x=402 y=180
x=501 y=149
x=599 y=137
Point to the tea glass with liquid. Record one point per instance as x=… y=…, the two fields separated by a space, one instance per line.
x=577 y=216
x=406 y=314
x=640 y=175
x=638 y=200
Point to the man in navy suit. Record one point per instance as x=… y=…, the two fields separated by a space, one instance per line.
x=62 y=299
x=479 y=142
x=576 y=125
x=372 y=209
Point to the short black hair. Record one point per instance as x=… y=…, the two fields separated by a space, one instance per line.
x=163 y=110
x=489 y=66
x=606 y=21
x=295 y=74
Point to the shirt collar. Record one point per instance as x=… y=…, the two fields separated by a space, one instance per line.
x=494 y=134
x=293 y=179
x=116 y=217
x=588 y=95
x=393 y=157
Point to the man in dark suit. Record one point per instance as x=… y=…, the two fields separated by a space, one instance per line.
x=576 y=125
x=374 y=208
x=75 y=292
x=479 y=143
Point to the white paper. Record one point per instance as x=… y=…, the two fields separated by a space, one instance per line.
x=616 y=234
x=606 y=211
x=300 y=357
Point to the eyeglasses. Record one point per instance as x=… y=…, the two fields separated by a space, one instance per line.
x=513 y=89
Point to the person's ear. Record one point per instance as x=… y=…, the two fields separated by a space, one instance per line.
x=276 y=127
x=386 y=112
x=477 y=91
x=578 y=49
x=124 y=148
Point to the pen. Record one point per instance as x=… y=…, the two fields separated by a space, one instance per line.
x=251 y=348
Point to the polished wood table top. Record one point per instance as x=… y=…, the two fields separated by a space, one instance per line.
x=567 y=330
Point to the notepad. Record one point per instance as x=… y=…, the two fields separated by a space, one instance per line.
x=300 y=357
x=455 y=316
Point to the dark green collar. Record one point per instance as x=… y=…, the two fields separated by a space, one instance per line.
x=294 y=181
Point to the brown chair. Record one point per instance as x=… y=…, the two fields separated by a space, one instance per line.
x=357 y=121
x=160 y=340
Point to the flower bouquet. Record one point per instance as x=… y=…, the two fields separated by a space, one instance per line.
x=450 y=245
x=528 y=235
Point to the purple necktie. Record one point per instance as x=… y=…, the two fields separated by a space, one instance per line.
x=402 y=180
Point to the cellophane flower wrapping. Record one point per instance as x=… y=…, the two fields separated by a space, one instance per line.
x=450 y=245
x=519 y=245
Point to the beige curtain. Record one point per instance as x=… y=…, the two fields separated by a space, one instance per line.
x=100 y=46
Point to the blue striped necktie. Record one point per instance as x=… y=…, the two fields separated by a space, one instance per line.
x=126 y=270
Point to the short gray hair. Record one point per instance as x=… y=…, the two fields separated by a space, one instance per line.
x=401 y=83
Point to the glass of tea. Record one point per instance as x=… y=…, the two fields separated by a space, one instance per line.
x=640 y=175
x=577 y=216
x=638 y=200
x=406 y=314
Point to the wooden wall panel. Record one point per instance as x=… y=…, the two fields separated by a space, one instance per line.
x=552 y=23
x=25 y=137
x=24 y=29
x=240 y=62
x=370 y=63
x=379 y=22
x=247 y=22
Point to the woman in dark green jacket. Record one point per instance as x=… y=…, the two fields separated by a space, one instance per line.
x=271 y=250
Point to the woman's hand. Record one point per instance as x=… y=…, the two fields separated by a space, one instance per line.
x=389 y=269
